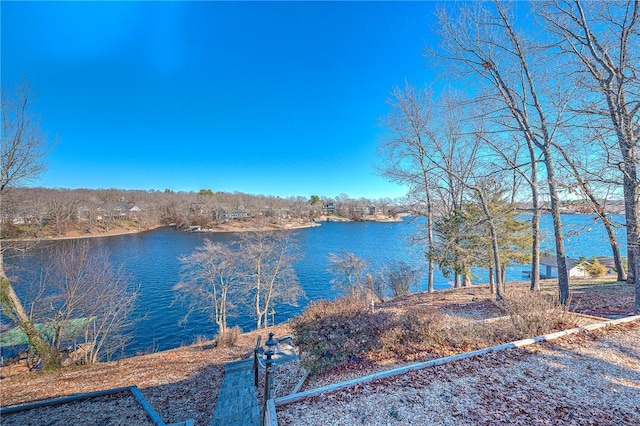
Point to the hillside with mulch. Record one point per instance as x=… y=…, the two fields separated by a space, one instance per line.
x=183 y=383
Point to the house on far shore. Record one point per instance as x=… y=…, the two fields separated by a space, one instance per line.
x=134 y=213
x=549 y=268
x=329 y=208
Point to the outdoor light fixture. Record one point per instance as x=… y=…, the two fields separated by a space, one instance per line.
x=271 y=343
x=268 y=377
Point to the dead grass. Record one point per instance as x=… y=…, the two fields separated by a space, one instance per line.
x=533 y=313
x=228 y=338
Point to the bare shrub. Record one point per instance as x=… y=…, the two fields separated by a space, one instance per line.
x=331 y=334
x=414 y=332
x=229 y=337
x=534 y=313
x=349 y=274
x=400 y=278
x=463 y=335
x=200 y=340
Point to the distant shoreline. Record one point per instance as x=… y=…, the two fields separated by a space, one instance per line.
x=113 y=233
x=230 y=227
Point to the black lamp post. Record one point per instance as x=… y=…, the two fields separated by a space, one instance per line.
x=268 y=378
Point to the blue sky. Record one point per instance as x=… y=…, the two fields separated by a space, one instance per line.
x=258 y=97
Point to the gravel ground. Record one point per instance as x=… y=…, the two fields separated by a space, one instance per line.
x=117 y=409
x=586 y=379
x=180 y=384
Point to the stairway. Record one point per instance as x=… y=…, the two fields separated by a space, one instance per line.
x=237 y=401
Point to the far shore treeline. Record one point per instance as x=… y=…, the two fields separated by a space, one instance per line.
x=45 y=212
x=49 y=213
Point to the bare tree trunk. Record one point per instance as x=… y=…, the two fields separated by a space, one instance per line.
x=12 y=305
x=466 y=279
x=631 y=214
x=492 y=288
x=495 y=249
x=599 y=210
x=563 y=276
x=630 y=191
x=615 y=250
x=431 y=267
x=258 y=289
x=535 y=222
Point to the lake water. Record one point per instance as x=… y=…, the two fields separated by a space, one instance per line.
x=151 y=259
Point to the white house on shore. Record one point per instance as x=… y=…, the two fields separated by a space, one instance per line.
x=549 y=267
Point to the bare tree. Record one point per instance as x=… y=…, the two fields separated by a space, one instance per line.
x=211 y=276
x=484 y=42
x=23 y=145
x=62 y=208
x=602 y=40
x=268 y=271
x=522 y=159
x=587 y=187
x=21 y=160
x=349 y=274
x=87 y=299
x=400 y=278
x=405 y=158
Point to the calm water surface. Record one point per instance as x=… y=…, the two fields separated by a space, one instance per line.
x=151 y=259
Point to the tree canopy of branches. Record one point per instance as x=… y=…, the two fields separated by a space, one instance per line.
x=267 y=270
x=482 y=40
x=79 y=284
x=211 y=278
x=541 y=95
x=21 y=160
x=349 y=274
x=598 y=42
x=257 y=271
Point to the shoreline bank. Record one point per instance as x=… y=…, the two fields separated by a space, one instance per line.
x=252 y=227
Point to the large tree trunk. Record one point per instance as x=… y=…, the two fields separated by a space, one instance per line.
x=430 y=242
x=633 y=255
x=535 y=222
x=11 y=304
x=492 y=281
x=466 y=277
x=563 y=276
x=637 y=310
x=615 y=250
x=495 y=249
